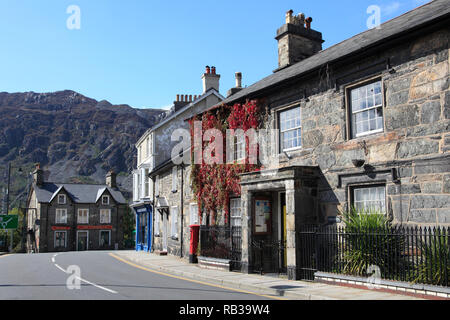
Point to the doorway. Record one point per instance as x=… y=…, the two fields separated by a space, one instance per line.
x=82 y=241
x=283 y=233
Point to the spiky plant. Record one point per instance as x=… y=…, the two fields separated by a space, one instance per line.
x=370 y=240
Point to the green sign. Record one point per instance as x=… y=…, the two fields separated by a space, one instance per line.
x=9 y=222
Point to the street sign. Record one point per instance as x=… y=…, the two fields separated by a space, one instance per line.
x=9 y=222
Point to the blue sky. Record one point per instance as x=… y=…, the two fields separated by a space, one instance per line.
x=144 y=52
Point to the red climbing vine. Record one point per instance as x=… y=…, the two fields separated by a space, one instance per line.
x=213 y=184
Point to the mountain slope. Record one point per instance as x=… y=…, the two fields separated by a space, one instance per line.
x=75 y=138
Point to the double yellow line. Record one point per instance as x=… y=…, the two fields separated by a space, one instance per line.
x=194 y=281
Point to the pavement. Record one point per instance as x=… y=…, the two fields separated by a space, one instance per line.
x=264 y=285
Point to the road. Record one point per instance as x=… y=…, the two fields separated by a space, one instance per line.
x=102 y=277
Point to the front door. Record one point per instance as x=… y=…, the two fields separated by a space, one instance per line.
x=82 y=241
x=283 y=234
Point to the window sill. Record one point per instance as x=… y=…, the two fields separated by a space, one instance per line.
x=292 y=149
x=365 y=134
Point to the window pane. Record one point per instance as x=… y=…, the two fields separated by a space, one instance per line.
x=370 y=198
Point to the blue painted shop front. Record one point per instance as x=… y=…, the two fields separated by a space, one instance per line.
x=144 y=228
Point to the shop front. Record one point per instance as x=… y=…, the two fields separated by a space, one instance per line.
x=144 y=213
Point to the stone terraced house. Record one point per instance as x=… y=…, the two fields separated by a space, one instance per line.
x=162 y=198
x=363 y=123
x=74 y=217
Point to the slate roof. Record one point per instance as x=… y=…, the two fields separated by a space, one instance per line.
x=400 y=25
x=79 y=193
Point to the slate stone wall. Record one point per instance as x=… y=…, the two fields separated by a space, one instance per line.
x=416 y=137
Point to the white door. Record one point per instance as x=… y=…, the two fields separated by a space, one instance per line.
x=165 y=230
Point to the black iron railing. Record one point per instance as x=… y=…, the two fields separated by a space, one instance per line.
x=410 y=254
x=222 y=242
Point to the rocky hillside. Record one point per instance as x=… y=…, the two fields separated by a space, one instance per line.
x=75 y=138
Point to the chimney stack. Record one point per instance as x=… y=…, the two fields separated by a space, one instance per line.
x=111 y=180
x=296 y=40
x=238 y=77
x=210 y=79
x=38 y=175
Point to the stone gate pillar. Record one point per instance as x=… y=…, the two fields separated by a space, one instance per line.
x=246 y=204
x=290 y=230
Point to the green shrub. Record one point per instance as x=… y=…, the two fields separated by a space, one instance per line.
x=370 y=239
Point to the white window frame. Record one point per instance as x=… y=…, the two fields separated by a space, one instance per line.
x=193 y=210
x=64 y=197
x=147 y=184
x=107 y=202
x=372 y=199
x=239 y=147
x=292 y=129
x=78 y=216
x=157 y=186
x=157 y=223
x=102 y=212
x=65 y=239
x=352 y=91
x=58 y=217
x=235 y=211
x=174 y=222
x=100 y=237
x=135 y=186
x=175 y=179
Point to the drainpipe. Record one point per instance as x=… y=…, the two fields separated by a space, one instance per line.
x=182 y=208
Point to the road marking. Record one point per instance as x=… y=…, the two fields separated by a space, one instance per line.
x=190 y=280
x=81 y=279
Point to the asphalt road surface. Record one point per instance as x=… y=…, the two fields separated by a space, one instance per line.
x=102 y=277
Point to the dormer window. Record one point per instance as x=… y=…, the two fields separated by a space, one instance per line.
x=61 y=199
x=105 y=200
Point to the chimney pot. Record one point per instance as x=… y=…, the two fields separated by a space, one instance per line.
x=238 y=76
x=308 y=23
x=289 y=16
x=208 y=70
x=213 y=70
x=178 y=97
x=190 y=98
x=185 y=98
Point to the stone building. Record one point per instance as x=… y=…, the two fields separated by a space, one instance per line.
x=162 y=197
x=363 y=123
x=74 y=217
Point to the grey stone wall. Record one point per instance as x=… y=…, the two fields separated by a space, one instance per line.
x=416 y=137
x=175 y=199
x=48 y=220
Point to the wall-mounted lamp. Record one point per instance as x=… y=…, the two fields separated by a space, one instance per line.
x=287 y=155
x=358 y=162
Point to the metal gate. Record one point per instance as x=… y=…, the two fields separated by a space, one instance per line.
x=307 y=251
x=236 y=248
x=268 y=256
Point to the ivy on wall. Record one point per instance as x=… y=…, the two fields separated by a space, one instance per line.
x=213 y=184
